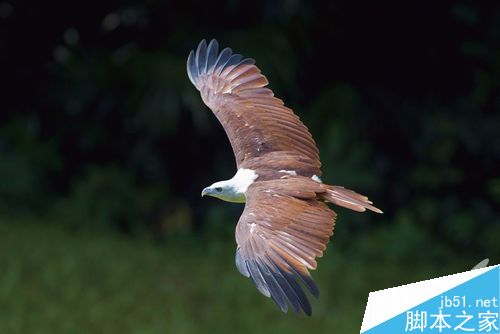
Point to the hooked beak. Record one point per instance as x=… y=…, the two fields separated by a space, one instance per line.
x=205 y=191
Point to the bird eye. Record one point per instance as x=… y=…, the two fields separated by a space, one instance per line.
x=219 y=189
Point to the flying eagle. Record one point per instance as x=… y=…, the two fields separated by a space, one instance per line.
x=285 y=224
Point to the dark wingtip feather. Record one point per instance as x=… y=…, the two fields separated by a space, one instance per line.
x=241 y=265
x=223 y=57
x=257 y=278
x=278 y=284
x=309 y=282
x=233 y=60
x=305 y=277
x=247 y=61
x=207 y=59
x=288 y=290
x=277 y=293
x=201 y=54
x=191 y=68
x=212 y=52
x=297 y=289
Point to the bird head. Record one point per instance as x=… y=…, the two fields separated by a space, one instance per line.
x=225 y=191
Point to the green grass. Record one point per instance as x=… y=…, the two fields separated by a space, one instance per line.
x=53 y=281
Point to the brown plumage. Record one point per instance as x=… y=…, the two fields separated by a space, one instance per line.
x=286 y=224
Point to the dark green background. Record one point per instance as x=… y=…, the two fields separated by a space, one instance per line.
x=105 y=146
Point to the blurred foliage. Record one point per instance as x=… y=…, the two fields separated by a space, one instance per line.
x=98 y=199
x=58 y=282
x=101 y=131
x=25 y=162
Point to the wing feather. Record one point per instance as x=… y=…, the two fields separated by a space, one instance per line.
x=285 y=286
x=256 y=122
x=212 y=53
x=296 y=295
x=257 y=278
x=280 y=233
x=201 y=54
x=276 y=291
x=241 y=265
x=222 y=59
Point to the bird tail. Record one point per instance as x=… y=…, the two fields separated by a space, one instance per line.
x=348 y=199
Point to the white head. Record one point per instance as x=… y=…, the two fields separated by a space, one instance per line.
x=224 y=190
x=232 y=190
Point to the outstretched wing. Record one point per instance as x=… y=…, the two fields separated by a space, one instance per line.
x=255 y=121
x=280 y=233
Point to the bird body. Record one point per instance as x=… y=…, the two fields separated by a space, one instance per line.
x=286 y=222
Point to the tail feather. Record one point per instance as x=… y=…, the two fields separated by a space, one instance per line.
x=348 y=199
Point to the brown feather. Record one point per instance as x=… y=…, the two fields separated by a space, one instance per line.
x=256 y=122
x=285 y=225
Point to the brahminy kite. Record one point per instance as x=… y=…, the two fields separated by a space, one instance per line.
x=285 y=224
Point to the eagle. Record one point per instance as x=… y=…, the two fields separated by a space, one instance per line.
x=286 y=222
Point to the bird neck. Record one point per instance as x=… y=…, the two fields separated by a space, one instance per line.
x=243 y=179
x=234 y=189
